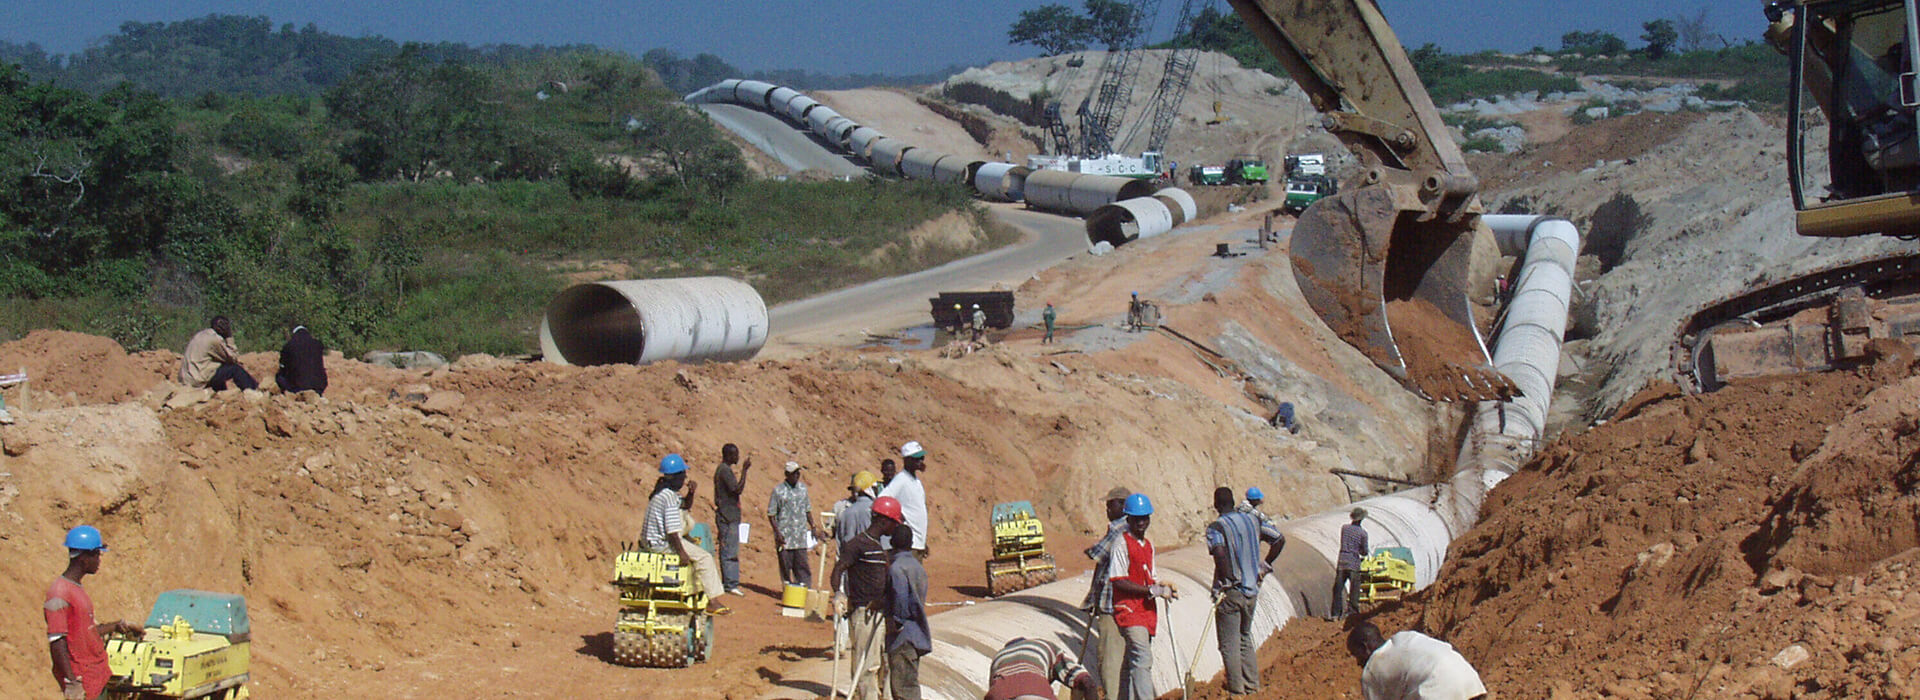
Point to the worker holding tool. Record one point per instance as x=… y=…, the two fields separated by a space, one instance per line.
x=727 y=488
x=1136 y=592
x=211 y=359
x=908 y=637
x=665 y=530
x=1047 y=317
x=863 y=563
x=1234 y=541
x=73 y=639
x=1353 y=549
x=1411 y=666
x=1026 y=669
x=912 y=495
x=1103 y=635
x=790 y=516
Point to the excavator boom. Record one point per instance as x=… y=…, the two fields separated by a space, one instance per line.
x=1385 y=264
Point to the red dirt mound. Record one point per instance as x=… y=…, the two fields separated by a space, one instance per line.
x=92 y=368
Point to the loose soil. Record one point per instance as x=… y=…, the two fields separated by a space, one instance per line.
x=1758 y=542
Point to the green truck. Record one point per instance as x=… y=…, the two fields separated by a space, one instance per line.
x=1304 y=191
x=1246 y=170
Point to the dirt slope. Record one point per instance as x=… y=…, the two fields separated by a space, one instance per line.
x=1686 y=551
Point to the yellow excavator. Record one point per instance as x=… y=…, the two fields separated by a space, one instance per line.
x=1388 y=262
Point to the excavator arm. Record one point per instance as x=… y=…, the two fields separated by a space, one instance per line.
x=1385 y=264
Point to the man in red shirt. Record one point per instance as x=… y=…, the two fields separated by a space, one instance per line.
x=1135 y=610
x=74 y=640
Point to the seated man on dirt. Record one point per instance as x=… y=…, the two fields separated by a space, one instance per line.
x=665 y=530
x=1026 y=669
x=302 y=363
x=1411 y=666
x=212 y=360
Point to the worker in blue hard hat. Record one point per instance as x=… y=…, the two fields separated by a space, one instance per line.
x=74 y=640
x=665 y=530
x=1251 y=506
x=1136 y=592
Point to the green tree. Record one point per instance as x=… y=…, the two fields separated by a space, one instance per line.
x=415 y=118
x=1112 y=23
x=1660 y=38
x=1592 y=43
x=1054 y=29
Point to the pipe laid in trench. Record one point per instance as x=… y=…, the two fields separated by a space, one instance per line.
x=1425 y=519
x=692 y=319
x=1077 y=193
x=1124 y=221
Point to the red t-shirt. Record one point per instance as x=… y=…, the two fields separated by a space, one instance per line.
x=70 y=612
x=1134 y=562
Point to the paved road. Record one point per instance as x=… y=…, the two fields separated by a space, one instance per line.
x=795 y=148
x=844 y=316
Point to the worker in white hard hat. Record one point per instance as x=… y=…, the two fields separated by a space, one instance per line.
x=979 y=323
x=907 y=489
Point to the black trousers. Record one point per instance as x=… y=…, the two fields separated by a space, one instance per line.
x=231 y=373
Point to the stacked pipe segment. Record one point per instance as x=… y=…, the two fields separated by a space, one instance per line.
x=1128 y=219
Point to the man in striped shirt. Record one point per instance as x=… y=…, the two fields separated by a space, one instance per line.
x=1234 y=541
x=664 y=531
x=1103 y=634
x=1026 y=669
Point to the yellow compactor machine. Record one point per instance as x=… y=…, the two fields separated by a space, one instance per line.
x=1020 y=559
x=663 y=620
x=196 y=645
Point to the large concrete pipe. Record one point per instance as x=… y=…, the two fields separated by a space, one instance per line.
x=918 y=164
x=957 y=170
x=1075 y=193
x=836 y=131
x=795 y=108
x=1180 y=203
x=1425 y=519
x=1121 y=222
x=752 y=93
x=818 y=117
x=718 y=92
x=1000 y=181
x=690 y=319
x=860 y=137
x=885 y=154
x=778 y=98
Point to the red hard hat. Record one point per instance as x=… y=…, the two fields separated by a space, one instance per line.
x=888 y=506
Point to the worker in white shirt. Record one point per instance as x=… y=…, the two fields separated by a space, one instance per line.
x=1411 y=666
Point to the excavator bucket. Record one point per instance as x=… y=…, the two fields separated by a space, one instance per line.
x=1391 y=280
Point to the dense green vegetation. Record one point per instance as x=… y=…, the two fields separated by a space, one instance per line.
x=427 y=198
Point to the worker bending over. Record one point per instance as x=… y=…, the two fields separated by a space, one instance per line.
x=1136 y=591
x=665 y=531
x=73 y=638
x=1411 y=666
x=1026 y=669
x=1234 y=541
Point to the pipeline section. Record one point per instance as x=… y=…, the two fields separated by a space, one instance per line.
x=1077 y=194
x=693 y=319
x=1424 y=519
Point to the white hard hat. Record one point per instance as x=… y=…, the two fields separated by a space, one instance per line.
x=912 y=449
x=793 y=467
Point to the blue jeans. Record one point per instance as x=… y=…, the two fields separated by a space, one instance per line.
x=729 y=534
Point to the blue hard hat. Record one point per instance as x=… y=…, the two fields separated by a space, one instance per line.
x=1138 y=504
x=1253 y=494
x=672 y=464
x=85 y=538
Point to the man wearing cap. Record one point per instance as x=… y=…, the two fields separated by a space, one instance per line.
x=863 y=563
x=790 y=515
x=907 y=489
x=979 y=323
x=1136 y=593
x=665 y=530
x=1234 y=541
x=73 y=638
x=1103 y=635
x=1353 y=549
x=727 y=488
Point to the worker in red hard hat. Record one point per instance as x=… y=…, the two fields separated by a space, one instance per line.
x=73 y=638
x=863 y=561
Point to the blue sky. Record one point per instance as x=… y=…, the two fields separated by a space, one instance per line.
x=840 y=36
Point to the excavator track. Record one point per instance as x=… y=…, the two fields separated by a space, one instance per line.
x=1879 y=278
